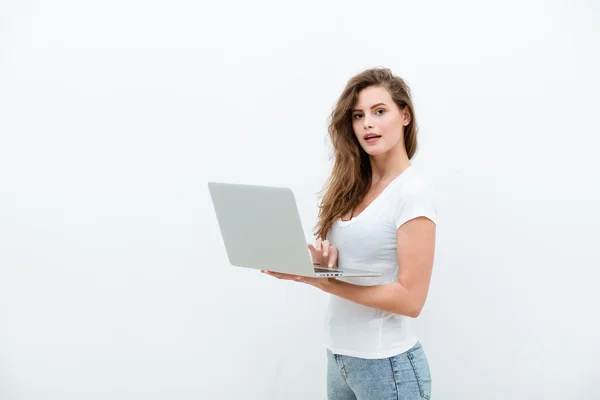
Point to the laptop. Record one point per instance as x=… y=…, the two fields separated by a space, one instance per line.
x=261 y=229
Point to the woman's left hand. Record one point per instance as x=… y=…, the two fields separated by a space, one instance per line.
x=321 y=283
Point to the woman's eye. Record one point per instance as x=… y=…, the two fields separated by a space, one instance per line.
x=382 y=111
x=357 y=116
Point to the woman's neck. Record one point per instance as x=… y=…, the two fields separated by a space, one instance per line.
x=384 y=168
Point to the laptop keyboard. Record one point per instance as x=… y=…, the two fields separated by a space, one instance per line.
x=325 y=269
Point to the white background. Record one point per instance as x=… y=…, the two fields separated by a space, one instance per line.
x=114 y=282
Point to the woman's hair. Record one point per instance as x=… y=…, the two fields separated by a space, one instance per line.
x=350 y=178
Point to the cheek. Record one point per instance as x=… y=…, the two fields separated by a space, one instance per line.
x=391 y=124
x=356 y=126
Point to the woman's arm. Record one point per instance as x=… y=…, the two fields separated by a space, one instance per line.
x=416 y=247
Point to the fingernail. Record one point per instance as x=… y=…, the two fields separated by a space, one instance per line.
x=330 y=265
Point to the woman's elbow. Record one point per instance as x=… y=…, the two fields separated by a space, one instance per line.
x=414 y=312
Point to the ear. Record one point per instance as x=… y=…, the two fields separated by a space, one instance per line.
x=406 y=116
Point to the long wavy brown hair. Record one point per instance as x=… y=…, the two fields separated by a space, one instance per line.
x=350 y=178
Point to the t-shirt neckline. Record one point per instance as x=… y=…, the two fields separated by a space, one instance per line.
x=341 y=222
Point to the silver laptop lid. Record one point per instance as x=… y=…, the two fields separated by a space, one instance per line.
x=261 y=227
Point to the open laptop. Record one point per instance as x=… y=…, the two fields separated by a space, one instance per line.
x=261 y=229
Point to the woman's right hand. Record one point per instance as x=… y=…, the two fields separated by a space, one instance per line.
x=324 y=253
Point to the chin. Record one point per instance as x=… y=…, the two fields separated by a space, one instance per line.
x=375 y=151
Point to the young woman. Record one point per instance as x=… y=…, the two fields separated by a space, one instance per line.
x=377 y=214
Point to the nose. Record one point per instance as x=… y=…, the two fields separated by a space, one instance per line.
x=368 y=124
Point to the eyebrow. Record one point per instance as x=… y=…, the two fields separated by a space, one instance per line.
x=372 y=107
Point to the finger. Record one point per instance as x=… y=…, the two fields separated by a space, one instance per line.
x=333 y=256
x=264 y=271
x=314 y=254
x=275 y=275
x=318 y=244
x=325 y=248
x=281 y=275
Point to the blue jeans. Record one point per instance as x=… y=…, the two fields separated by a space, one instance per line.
x=405 y=376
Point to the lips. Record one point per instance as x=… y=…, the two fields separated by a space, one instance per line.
x=371 y=136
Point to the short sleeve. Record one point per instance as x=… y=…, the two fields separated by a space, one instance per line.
x=414 y=205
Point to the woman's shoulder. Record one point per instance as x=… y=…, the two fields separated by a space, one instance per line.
x=414 y=198
x=414 y=183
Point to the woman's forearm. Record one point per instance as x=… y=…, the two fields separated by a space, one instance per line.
x=392 y=297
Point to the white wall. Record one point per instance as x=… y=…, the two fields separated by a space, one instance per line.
x=114 y=282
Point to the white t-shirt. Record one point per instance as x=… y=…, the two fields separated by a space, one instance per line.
x=368 y=242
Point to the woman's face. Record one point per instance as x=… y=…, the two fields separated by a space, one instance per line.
x=377 y=121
